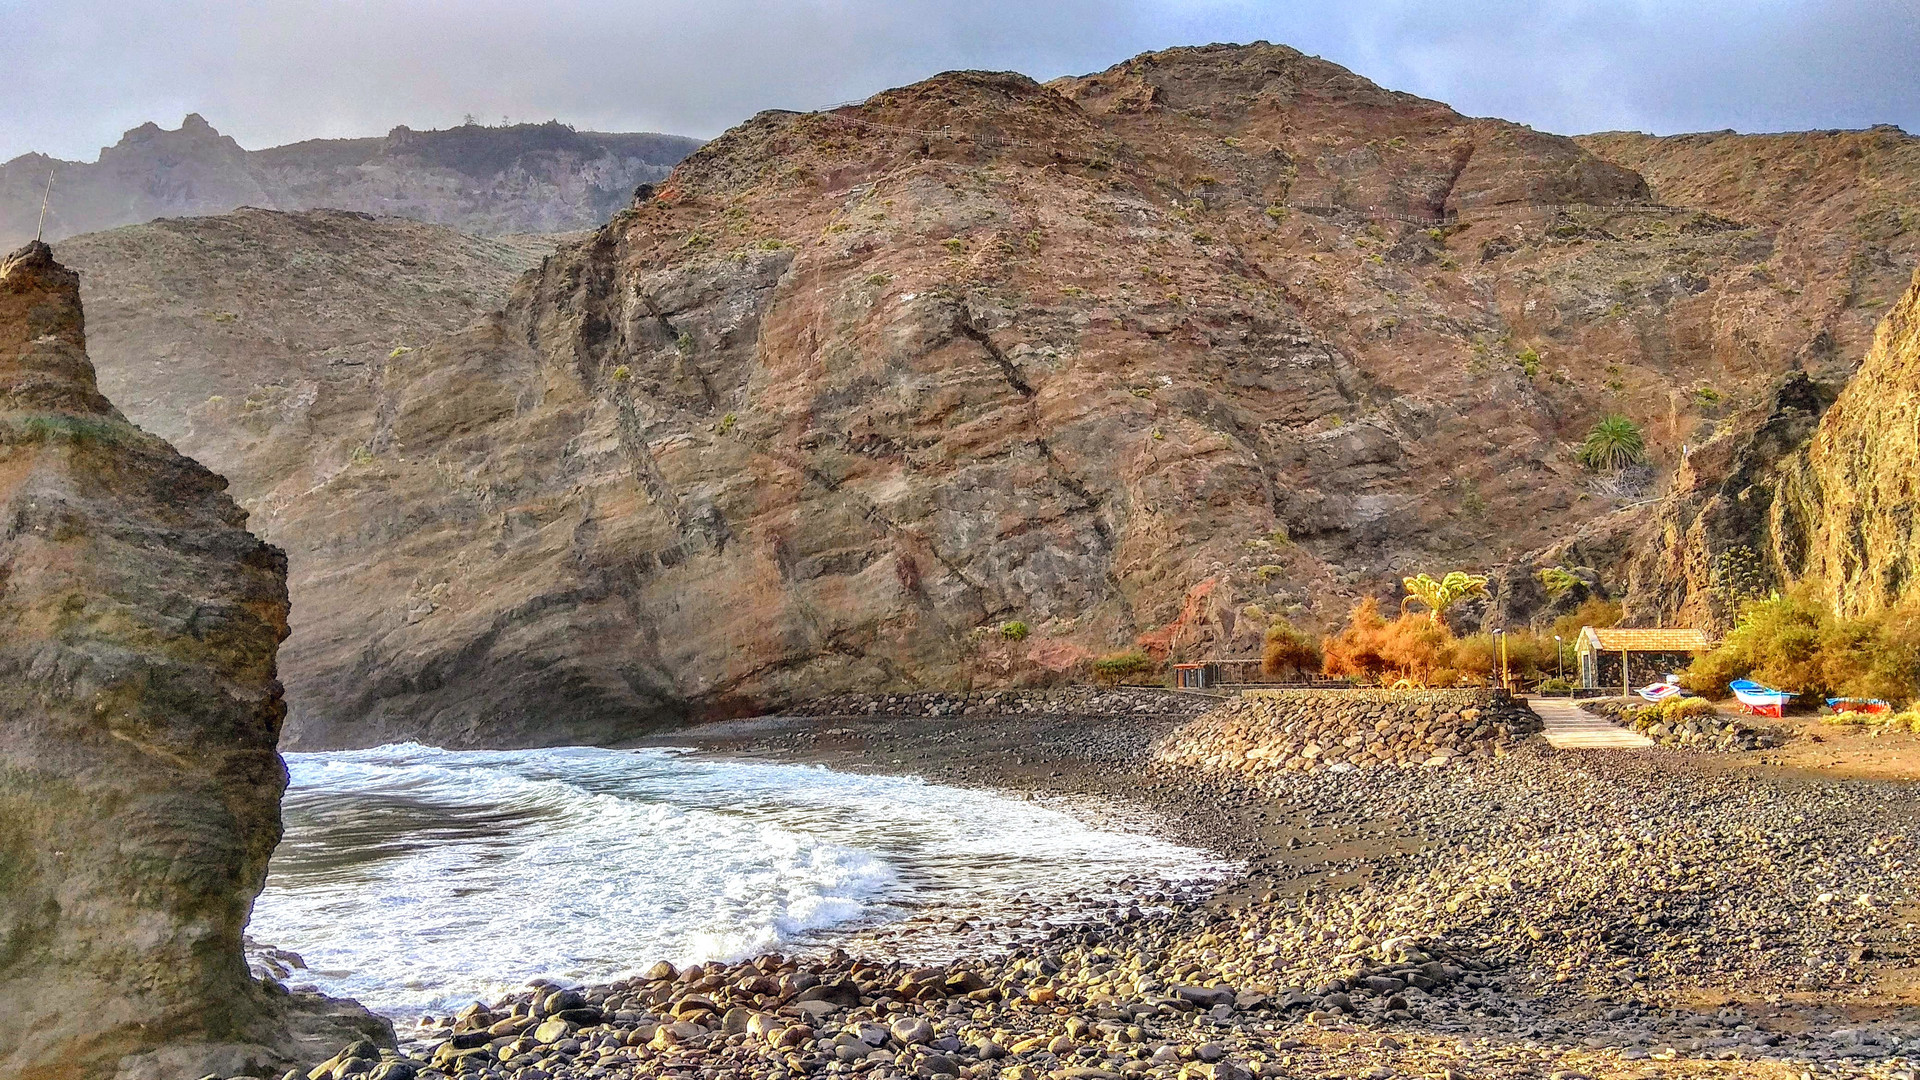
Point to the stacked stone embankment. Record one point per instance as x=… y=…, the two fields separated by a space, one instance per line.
x=1267 y=731
x=1065 y=701
x=1699 y=731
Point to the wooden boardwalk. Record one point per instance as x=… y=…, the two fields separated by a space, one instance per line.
x=1569 y=727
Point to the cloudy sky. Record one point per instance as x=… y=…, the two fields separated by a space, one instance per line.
x=273 y=71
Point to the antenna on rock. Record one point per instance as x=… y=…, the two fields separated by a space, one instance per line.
x=44 y=196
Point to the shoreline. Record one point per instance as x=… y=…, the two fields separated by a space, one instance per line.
x=1278 y=966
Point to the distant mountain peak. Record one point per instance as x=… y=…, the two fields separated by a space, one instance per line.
x=545 y=177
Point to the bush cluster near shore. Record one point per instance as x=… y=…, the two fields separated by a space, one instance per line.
x=1795 y=642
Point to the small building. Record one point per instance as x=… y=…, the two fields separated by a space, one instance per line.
x=1202 y=676
x=1626 y=658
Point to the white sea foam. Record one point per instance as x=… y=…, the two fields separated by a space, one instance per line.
x=417 y=879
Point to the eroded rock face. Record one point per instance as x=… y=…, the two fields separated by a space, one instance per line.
x=1848 y=512
x=139 y=782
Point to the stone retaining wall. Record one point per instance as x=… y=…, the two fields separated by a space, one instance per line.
x=1717 y=732
x=1265 y=731
x=1065 y=701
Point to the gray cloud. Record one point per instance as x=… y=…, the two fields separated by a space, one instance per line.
x=273 y=71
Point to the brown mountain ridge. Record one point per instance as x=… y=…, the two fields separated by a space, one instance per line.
x=1145 y=356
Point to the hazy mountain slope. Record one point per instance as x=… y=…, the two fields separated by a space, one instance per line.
x=254 y=341
x=521 y=178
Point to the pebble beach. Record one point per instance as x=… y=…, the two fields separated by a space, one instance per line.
x=1530 y=913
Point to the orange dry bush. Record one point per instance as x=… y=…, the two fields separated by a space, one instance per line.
x=1411 y=648
x=1355 y=650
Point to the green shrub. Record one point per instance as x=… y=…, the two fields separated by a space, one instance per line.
x=1112 y=669
x=1529 y=362
x=1556 y=685
x=1795 y=642
x=1682 y=709
x=1613 y=444
x=1287 y=650
x=1557 y=580
x=1014 y=630
x=727 y=422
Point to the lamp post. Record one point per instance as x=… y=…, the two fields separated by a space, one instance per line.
x=1560 y=654
x=1500 y=640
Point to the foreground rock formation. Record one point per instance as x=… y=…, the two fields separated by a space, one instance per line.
x=522 y=178
x=139 y=784
x=1142 y=358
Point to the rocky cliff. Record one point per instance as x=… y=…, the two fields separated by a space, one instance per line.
x=1136 y=358
x=139 y=783
x=1848 y=511
x=523 y=178
x=1838 y=207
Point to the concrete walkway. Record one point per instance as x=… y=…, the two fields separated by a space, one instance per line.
x=1569 y=727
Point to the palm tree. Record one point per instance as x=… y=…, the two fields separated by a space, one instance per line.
x=1444 y=593
x=1612 y=445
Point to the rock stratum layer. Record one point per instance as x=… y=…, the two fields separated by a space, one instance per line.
x=523 y=178
x=1135 y=359
x=139 y=784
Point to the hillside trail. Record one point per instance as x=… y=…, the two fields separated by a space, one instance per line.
x=1569 y=727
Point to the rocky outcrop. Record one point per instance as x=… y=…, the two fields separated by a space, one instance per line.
x=523 y=178
x=1811 y=488
x=1312 y=731
x=1848 y=508
x=1140 y=359
x=1708 y=547
x=139 y=783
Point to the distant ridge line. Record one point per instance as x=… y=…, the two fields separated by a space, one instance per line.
x=1376 y=212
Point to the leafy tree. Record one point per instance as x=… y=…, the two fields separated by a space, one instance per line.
x=1613 y=444
x=1440 y=595
x=1287 y=650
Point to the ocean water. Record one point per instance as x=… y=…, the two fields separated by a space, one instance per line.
x=417 y=880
